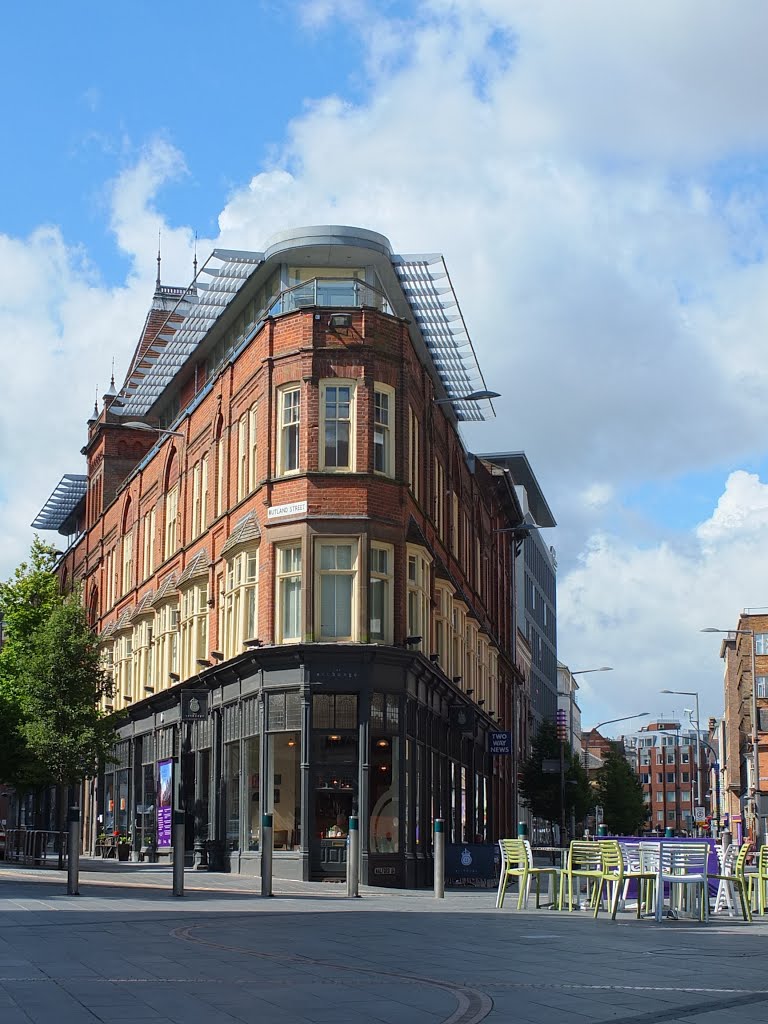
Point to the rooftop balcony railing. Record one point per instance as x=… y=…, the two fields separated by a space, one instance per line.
x=331 y=291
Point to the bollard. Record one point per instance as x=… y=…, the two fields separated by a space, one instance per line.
x=266 y=855
x=602 y=831
x=178 y=853
x=73 y=853
x=522 y=830
x=353 y=858
x=669 y=833
x=439 y=859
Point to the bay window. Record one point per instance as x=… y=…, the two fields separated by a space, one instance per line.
x=288 y=578
x=240 y=601
x=381 y=594
x=383 y=430
x=289 y=418
x=335 y=590
x=419 y=585
x=337 y=425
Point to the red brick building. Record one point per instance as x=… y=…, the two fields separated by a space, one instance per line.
x=279 y=513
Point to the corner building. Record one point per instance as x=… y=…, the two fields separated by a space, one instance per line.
x=278 y=513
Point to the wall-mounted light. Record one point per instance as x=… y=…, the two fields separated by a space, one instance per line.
x=339 y=320
x=291 y=742
x=334 y=737
x=382 y=743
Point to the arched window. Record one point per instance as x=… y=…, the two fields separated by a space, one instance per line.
x=127 y=534
x=93 y=607
x=171 y=505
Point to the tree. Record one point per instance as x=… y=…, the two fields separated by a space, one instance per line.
x=63 y=682
x=50 y=681
x=26 y=601
x=541 y=792
x=620 y=794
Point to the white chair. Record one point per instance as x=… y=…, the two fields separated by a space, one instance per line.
x=683 y=866
x=724 y=898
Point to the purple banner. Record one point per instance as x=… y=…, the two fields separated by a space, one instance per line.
x=164 y=802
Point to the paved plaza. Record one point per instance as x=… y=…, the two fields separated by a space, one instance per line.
x=126 y=950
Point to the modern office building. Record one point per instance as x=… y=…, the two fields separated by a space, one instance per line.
x=567 y=701
x=303 y=583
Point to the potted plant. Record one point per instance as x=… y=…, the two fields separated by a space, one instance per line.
x=123 y=846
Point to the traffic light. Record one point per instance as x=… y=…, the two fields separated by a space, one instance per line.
x=562 y=725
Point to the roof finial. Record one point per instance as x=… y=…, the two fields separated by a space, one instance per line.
x=194 y=261
x=112 y=378
x=157 y=282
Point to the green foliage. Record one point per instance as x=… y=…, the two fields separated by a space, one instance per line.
x=541 y=792
x=64 y=680
x=621 y=795
x=50 y=680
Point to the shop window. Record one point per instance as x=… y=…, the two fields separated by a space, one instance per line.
x=283 y=793
x=288 y=617
x=332 y=711
x=289 y=413
x=252 y=754
x=383 y=430
x=337 y=404
x=232 y=794
x=336 y=590
x=381 y=594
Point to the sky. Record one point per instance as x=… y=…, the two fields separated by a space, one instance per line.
x=596 y=177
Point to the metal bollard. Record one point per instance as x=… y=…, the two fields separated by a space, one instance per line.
x=73 y=853
x=178 y=853
x=266 y=854
x=726 y=839
x=353 y=858
x=439 y=859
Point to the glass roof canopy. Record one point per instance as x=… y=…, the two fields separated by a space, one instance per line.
x=426 y=287
x=67 y=495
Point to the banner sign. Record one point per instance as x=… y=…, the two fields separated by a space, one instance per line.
x=500 y=743
x=164 y=802
x=471 y=861
x=194 y=705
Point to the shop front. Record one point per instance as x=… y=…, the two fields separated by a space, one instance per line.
x=312 y=736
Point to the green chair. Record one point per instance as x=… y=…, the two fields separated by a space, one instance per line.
x=517 y=862
x=759 y=879
x=584 y=861
x=616 y=873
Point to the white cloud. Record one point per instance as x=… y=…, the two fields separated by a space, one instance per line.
x=560 y=156
x=62 y=326
x=641 y=608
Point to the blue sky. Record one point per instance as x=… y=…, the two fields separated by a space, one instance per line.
x=599 y=195
x=102 y=80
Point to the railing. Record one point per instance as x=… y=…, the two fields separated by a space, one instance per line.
x=35 y=846
x=330 y=291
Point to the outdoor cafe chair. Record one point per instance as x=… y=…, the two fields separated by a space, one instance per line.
x=759 y=879
x=680 y=866
x=517 y=862
x=724 y=896
x=617 y=874
x=583 y=861
x=735 y=878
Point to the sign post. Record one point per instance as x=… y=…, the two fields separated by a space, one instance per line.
x=439 y=859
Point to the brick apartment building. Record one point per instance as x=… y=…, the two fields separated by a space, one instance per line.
x=664 y=756
x=745 y=792
x=279 y=514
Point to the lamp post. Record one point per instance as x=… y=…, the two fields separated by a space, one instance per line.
x=148 y=428
x=755 y=787
x=693 y=693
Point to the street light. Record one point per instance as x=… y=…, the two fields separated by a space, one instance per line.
x=473 y=396
x=138 y=425
x=693 y=693
x=755 y=787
